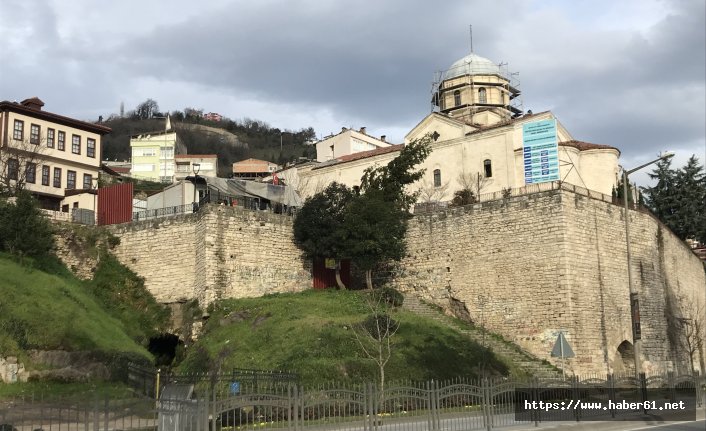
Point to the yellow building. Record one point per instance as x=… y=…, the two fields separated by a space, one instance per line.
x=47 y=153
x=153 y=155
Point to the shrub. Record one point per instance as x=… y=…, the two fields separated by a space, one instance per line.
x=389 y=296
x=24 y=231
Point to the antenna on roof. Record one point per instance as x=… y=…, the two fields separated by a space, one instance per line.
x=470 y=30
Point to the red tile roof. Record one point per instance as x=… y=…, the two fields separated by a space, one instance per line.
x=585 y=146
x=370 y=153
x=121 y=170
x=582 y=146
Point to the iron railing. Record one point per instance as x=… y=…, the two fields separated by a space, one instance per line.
x=459 y=404
x=93 y=414
x=164 y=212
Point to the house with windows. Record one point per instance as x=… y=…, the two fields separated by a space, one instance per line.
x=153 y=155
x=348 y=141
x=250 y=169
x=477 y=131
x=48 y=154
x=195 y=164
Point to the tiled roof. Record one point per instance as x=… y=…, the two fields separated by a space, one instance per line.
x=369 y=153
x=49 y=116
x=582 y=146
x=121 y=170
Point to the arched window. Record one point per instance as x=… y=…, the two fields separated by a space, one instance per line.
x=488 y=168
x=482 y=98
x=457 y=98
x=437 y=177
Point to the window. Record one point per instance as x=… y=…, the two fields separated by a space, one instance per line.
x=87 y=181
x=50 y=138
x=31 y=173
x=13 y=168
x=76 y=144
x=482 y=98
x=501 y=97
x=144 y=152
x=18 y=132
x=437 y=177
x=57 y=177
x=488 y=168
x=166 y=153
x=457 y=98
x=45 y=175
x=34 y=134
x=70 y=179
x=142 y=167
x=61 y=141
x=90 y=147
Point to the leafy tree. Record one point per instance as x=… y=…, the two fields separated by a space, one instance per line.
x=24 y=230
x=319 y=228
x=392 y=179
x=376 y=230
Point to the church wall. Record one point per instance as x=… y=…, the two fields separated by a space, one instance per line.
x=531 y=266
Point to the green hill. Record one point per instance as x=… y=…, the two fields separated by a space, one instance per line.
x=311 y=333
x=231 y=140
x=43 y=311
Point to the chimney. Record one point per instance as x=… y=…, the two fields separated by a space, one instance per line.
x=343 y=129
x=362 y=130
x=382 y=138
x=33 y=103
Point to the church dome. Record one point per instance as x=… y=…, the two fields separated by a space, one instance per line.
x=472 y=64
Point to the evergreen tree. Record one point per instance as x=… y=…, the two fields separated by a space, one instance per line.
x=660 y=198
x=689 y=218
x=679 y=198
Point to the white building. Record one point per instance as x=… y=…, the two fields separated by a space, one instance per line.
x=478 y=134
x=347 y=141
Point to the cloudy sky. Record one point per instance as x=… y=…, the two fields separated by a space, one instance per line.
x=629 y=73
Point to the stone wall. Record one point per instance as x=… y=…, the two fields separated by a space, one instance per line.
x=525 y=267
x=531 y=266
x=215 y=253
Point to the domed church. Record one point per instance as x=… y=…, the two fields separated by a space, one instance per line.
x=479 y=132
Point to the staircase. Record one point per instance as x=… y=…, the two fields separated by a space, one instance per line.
x=528 y=363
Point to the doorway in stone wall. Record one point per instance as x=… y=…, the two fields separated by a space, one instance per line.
x=625 y=359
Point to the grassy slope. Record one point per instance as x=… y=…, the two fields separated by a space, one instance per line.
x=309 y=333
x=43 y=311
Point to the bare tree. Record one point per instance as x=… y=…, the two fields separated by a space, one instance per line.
x=476 y=182
x=430 y=195
x=375 y=335
x=19 y=164
x=694 y=333
x=146 y=109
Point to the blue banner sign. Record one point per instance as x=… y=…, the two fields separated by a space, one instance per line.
x=540 y=151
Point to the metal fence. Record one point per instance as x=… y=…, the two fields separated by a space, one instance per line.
x=459 y=404
x=32 y=414
x=530 y=189
x=164 y=212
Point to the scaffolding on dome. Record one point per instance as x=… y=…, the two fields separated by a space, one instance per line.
x=511 y=87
